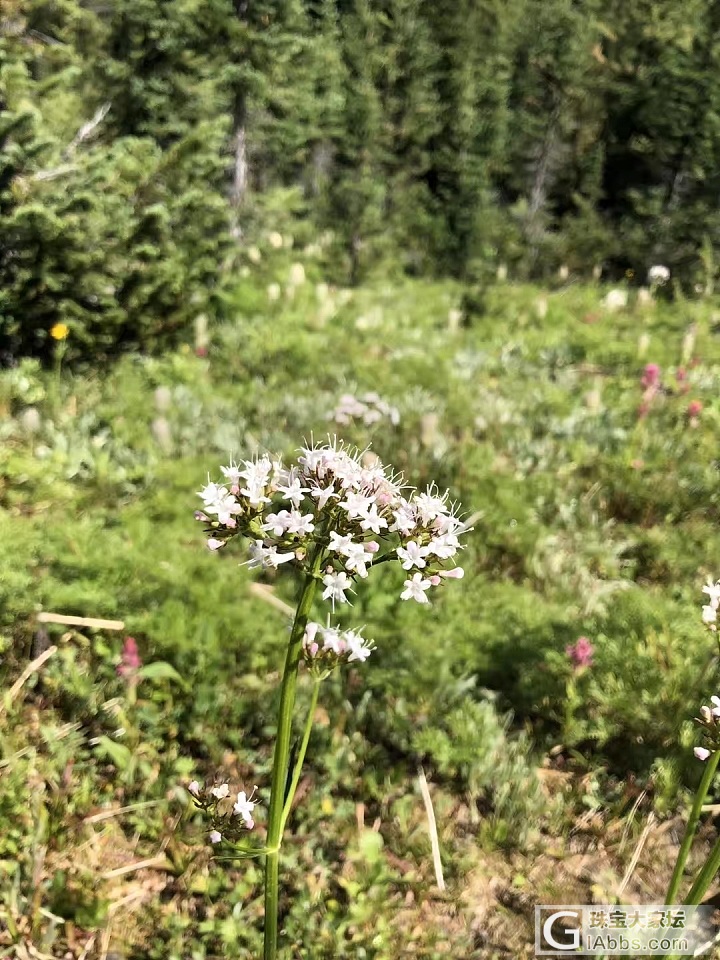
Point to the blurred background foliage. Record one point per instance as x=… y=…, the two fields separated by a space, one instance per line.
x=143 y=145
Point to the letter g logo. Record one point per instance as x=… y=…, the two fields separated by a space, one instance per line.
x=568 y=932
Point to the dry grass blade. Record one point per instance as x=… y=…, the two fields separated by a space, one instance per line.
x=29 y=670
x=432 y=827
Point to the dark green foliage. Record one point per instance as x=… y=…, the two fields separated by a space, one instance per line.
x=444 y=137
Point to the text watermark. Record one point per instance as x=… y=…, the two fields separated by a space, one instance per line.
x=609 y=930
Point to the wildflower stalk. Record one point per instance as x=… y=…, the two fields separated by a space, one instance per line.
x=281 y=756
x=705 y=877
x=690 y=829
x=301 y=755
x=323 y=515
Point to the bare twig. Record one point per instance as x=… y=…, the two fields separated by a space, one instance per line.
x=117 y=811
x=159 y=862
x=432 y=828
x=81 y=621
x=266 y=593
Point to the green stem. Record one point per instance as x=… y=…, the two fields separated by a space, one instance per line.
x=301 y=756
x=701 y=794
x=281 y=756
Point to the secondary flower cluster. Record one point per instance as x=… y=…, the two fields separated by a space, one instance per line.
x=229 y=820
x=710 y=719
x=326 y=647
x=710 y=609
x=323 y=514
x=369 y=407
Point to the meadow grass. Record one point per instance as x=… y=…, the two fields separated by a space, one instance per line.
x=589 y=519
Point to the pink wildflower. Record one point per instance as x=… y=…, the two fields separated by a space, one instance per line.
x=130 y=661
x=651 y=376
x=581 y=652
x=694 y=409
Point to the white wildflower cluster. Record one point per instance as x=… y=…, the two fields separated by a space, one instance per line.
x=229 y=820
x=335 y=513
x=710 y=719
x=368 y=407
x=326 y=647
x=710 y=609
x=658 y=275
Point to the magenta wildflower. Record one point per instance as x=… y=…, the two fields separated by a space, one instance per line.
x=581 y=652
x=694 y=409
x=130 y=661
x=651 y=376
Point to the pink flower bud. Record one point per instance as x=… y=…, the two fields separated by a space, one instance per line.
x=215 y=836
x=457 y=573
x=214 y=544
x=372 y=547
x=435 y=580
x=701 y=753
x=194 y=788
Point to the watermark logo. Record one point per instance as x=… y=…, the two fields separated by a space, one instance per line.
x=606 y=930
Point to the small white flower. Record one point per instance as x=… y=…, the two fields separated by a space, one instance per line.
x=336 y=585
x=713 y=592
x=413 y=555
x=358 y=558
x=214 y=544
x=429 y=506
x=300 y=525
x=444 y=546
x=358 y=647
x=416 y=589
x=371 y=520
x=221 y=792
x=701 y=753
x=277 y=523
x=244 y=807
x=333 y=640
x=194 y=788
x=709 y=614
x=215 y=836
x=341 y=545
x=294 y=492
x=231 y=473
x=322 y=495
x=405 y=520
x=356 y=504
x=262 y=556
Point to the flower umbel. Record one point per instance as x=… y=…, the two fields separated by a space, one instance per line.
x=342 y=502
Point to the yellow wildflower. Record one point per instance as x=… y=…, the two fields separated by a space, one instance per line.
x=59 y=331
